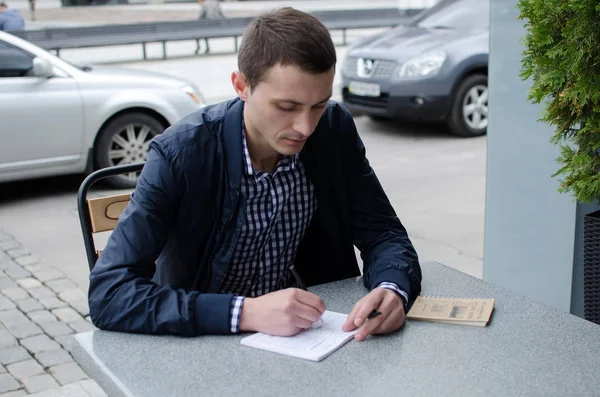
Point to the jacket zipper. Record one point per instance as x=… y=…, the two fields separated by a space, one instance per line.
x=235 y=202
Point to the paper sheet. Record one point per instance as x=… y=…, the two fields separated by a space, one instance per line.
x=311 y=344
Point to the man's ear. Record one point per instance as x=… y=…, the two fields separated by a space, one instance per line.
x=240 y=85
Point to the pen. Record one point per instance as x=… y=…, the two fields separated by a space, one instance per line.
x=301 y=285
x=299 y=281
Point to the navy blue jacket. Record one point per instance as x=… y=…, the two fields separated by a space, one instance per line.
x=162 y=267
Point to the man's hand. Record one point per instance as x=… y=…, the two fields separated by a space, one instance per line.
x=281 y=313
x=383 y=300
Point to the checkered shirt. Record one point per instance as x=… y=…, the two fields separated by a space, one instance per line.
x=279 y=208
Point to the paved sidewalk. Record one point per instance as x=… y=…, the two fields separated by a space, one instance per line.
x=40 y=311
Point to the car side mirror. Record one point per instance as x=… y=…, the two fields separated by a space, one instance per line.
x=42 y=68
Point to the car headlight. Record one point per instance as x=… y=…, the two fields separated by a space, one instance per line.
x=426 y=64
x=194 y=94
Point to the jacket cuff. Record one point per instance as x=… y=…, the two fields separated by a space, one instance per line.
x=394 y=276
x=213 y=314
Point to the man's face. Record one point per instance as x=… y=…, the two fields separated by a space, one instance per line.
x=284 y=108
x=2 y=8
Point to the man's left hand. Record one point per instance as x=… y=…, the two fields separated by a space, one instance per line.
x=383 y=300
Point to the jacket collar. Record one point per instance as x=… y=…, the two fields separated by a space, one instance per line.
x=232 y=143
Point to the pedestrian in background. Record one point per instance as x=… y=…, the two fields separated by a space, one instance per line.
x=210 y=9
x=32 y=9
x=10 y=20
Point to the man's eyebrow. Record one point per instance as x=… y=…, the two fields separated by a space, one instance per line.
x=292 y=102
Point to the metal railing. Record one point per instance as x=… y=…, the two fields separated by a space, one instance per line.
x=56 y=39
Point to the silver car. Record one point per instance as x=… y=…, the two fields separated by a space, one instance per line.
x=58 y=118
x=434 y=69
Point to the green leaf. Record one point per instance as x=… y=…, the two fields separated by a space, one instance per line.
x=561 y=57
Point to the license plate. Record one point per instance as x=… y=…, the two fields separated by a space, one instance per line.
x=364 y=89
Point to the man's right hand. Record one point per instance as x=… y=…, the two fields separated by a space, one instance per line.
x=281 y=313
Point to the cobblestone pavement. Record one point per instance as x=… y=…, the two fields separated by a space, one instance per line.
x=40 y=311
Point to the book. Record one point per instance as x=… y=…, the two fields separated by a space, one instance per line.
x=465 y=311
x=313 y=344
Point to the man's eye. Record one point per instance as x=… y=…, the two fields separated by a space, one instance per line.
x=285 y=109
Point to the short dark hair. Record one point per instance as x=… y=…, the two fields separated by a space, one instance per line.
x=3 y=4
x=285 y=36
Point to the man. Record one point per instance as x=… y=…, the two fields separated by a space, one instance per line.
x=10 y=20
x=236 y=198
x=210 y=9
x=32 y=9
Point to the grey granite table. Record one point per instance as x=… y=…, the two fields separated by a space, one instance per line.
x=528 y=349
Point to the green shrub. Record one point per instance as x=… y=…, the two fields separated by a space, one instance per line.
x=562 y=57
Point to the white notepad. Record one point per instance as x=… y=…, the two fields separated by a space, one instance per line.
x=312 y=344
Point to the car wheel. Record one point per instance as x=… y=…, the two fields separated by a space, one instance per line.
x=469 y=114
x=125 y=140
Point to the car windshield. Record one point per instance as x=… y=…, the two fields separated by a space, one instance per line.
x=84 y=68
x=466 y=14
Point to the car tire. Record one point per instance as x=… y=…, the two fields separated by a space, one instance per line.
x=116 y=145
x=468 y=116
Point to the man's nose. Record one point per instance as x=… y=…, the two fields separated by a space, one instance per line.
x=303 y=124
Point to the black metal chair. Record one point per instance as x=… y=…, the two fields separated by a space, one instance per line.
x=101 y=214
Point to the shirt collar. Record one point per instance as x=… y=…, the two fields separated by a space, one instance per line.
x=248 y=169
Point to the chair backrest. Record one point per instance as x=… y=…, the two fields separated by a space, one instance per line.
x=104 y=212
x=101 y=214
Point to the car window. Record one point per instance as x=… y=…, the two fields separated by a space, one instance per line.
x=14 y=62
x=467 y=14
